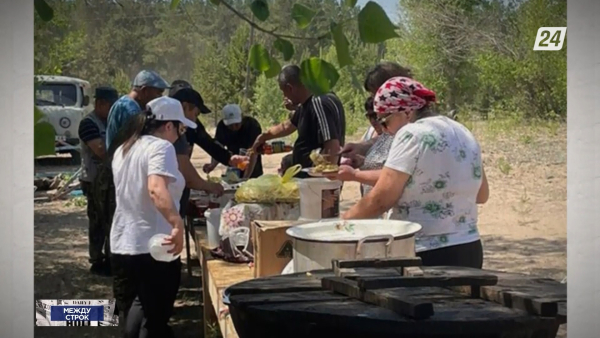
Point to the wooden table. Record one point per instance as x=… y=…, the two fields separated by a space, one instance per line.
x=217 y=275
x=298 y=305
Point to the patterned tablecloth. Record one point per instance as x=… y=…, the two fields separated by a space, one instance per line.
x=236 y=215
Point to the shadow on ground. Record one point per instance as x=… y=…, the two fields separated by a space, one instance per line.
x=536 y=256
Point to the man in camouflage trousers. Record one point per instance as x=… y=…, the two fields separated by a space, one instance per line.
x=104 y=199
x=92 y=132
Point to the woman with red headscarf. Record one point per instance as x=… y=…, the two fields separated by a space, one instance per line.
x=433 y=176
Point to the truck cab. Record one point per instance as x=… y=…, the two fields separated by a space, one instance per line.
x=64 y=101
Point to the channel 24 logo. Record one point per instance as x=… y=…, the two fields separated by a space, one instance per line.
x=550 y=38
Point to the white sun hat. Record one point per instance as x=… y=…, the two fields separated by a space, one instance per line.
x=169 y=109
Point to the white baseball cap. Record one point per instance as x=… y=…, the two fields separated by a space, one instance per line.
x=232 y=113
x=169 y=109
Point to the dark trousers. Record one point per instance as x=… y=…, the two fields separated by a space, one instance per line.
x=145 y=291
x=468 y=255
x=104 y=198
x=97 y=235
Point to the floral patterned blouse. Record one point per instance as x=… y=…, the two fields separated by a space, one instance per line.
x=444 y=161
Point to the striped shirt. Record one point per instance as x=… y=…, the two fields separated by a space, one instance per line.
x=88 y=130
x=318 y=120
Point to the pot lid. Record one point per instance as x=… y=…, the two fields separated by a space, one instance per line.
x=352 y=230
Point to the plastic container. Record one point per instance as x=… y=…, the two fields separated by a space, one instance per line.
x=319 y=198
x=213 y=222
x=158 y=251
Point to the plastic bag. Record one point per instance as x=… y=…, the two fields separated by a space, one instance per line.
x=270 y=188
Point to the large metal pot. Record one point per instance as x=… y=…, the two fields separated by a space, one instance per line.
x=316 y=244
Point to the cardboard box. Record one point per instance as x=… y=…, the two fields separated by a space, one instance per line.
x=273 y=248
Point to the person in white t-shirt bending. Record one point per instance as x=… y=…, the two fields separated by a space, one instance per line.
x=433 y=176
x=148 y=187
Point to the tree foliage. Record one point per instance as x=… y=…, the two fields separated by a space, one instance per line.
x=476 y=54
x=479 y=54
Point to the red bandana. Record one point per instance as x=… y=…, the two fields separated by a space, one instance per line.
x=401 y=94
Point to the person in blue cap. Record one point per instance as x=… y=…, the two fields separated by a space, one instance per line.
x=92 y=133
x=147 y=86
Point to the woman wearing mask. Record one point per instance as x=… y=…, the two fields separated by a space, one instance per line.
x=433 y=176
x=148 y=187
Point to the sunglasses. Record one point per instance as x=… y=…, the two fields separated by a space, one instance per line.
x=384 y=119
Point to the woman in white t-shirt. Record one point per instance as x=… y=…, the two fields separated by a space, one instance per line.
x=433 y=176
x=148 y=187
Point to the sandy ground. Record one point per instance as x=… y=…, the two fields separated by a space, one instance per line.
x=523 y=227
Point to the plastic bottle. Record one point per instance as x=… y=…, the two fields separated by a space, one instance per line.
x=158 y=251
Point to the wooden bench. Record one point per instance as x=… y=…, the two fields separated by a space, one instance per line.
x=217 y=275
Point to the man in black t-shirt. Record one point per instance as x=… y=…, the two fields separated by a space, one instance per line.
x=193 y=105
x=237 y=132
x=319 y=120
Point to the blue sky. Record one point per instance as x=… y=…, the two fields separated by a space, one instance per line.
x=390 y=7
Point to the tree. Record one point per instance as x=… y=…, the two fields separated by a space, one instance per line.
x=317 y=74
x=267 y=101
x=533 y=84
x=476 y=55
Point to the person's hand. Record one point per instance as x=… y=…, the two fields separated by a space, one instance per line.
x=346 y=161
x=260 y=140
x=208 y=167
x=215 y=188
x=176 y=238
x=350 y=150
x=356 y=161
x=345 y=173
x=237 y=159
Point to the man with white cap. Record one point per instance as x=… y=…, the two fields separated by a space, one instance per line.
x=237 y=132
